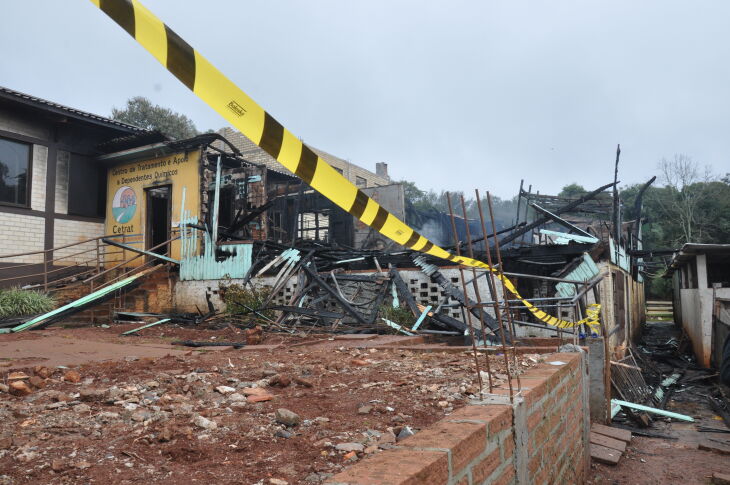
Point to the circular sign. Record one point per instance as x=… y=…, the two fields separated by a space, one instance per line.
x=124 y=204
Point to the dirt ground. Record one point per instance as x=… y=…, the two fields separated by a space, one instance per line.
x=192 y=416
x=678 y=460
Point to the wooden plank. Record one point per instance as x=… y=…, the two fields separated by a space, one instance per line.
x=604 y=455
x=715 y=447
x=599 y=439
x=615 y=433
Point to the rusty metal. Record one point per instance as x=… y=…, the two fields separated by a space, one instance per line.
x=504 y=291
x=477 y=293
x=466 y=298
x=497 y=311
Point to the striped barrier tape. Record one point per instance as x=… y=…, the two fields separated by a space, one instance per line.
x=210 y=85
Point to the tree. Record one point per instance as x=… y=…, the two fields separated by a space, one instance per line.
x=141 y=112
x=687 y=188
x=573 y=191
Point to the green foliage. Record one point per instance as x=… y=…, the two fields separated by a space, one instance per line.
x=141 y=112
x=237 y=298
x=573 y=190
x=19 y=303
x=400 y=315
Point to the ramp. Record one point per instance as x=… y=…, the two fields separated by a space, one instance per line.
x=76 y=306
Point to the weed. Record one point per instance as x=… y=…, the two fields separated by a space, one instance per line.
x=15 y=302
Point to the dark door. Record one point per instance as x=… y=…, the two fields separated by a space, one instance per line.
x=158 y=219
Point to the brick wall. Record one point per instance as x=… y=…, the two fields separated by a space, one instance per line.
x=21 y=234
x=541 y=438
x=71 y=232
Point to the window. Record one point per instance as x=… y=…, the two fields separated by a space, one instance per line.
x=361 y=182
x=14 y=172
x=86 y=185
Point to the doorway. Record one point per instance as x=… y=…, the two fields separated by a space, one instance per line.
x=159 y=209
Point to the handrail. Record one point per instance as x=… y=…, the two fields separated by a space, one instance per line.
x=43 y=251
x=126 y=261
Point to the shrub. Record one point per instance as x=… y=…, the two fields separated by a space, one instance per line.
x=237 y=298
x=400 y=315
x=19 y=303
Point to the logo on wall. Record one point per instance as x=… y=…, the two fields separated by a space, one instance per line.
x=124 y=204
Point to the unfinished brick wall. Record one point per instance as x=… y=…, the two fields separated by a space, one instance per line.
x=542 y=438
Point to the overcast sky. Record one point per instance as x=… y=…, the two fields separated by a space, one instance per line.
x=452 y=95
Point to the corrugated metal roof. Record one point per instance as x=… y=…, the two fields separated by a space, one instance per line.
x=586 y=271
x=59 y=108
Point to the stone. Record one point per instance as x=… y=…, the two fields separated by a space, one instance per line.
x=82 y=408
x=6 y=443
x=236 y=397
x=164 y=435
x=259 y=398
x=280 y=380
x=351 y=456
x=58 y=465
x=405 y=432
x=141 y=415
x=72 y=376
x=303 y=382
x=91 y=394
x=20 y=388
x=37 y=382
x=365 y=409
x=371 y=449
x=277 y=481
x=42 y=371
x=359 y=362
x=282 y=433
x=56 y=405
x=4 y=388
x=387 y=438
x=17 y=376
x=349 y=447
x=225 y=389
x=287 y=418
x=204 y=423
x=254 y=391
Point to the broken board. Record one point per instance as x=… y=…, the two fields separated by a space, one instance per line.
x=607 y=443
x=615 y=433
x=605 y=455
x=599 y=439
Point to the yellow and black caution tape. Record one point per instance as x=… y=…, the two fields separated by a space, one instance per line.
x=210 y=85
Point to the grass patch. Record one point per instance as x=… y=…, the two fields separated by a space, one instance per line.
x=15 y=302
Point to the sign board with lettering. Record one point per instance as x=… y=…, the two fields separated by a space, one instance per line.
x=126 y=198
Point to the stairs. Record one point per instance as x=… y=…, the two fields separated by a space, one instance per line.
x=659 y=311
x=153 y=294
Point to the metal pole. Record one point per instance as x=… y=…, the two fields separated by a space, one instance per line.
x=476 y=289
x=504 y=289
x=466 y=297
x=497 y=311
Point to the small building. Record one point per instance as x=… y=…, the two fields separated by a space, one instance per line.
x=52 y=191
x=701 y=292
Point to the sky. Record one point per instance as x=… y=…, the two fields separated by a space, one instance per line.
x=452 y=95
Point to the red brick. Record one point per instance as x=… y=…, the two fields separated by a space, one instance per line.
x=485 y=413
x=506 y=477
x=465 y=440
x=481 y=471
x=535 y=462
x=534 y=419
x=508 y=447
x=398 y=467
x=464 y=480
